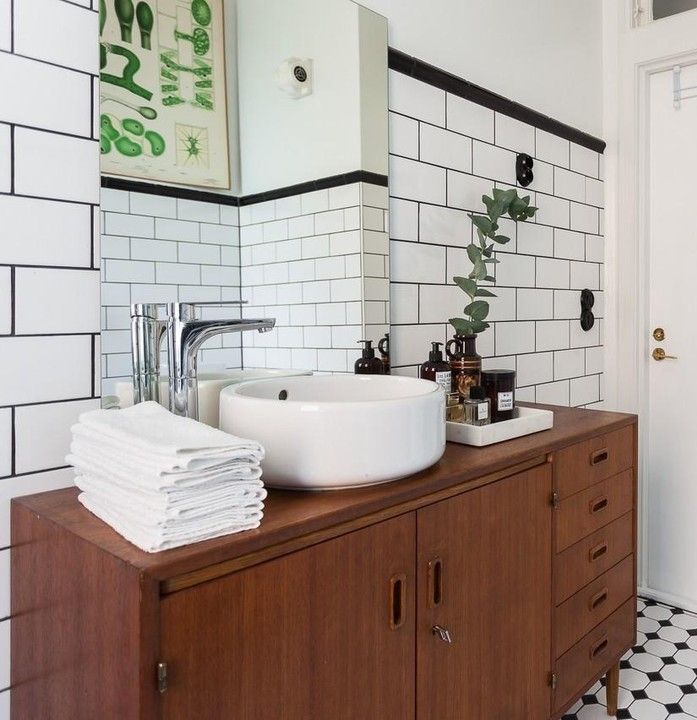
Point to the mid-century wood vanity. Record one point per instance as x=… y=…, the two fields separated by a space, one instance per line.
x=500 y=583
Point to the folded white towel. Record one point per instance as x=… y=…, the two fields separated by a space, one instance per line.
x=157 y=540
x=175 y=505
x=176 y=442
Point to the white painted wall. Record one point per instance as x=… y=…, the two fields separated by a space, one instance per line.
x=285 y=141
x=545 y=54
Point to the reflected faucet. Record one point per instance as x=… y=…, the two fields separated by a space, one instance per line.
x=186 y=332
x=147 y=332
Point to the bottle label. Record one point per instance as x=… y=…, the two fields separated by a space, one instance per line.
x=506 y=401
x=445 y=380
x=483 y=411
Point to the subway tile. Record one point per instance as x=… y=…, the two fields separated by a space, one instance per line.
x=300 y=227
x=345 y=290
x=129 y=271
x=410 y=344
x=168 y=229
x=569 y=244
x=331 y=313
x=411 y=180
x=332 y=360
x=470 y=119
x=375 y=195
x=329 y=222
x=585 y=275
x=569 y=364
x=129 y=225
x=147 y=249
x=584 y=160
x=5 y=444
x=330 y=268
x=373 y=265
x=5 y=158
x=552 y=211
x=49 y=300
x=515 y=338
x=316 y=292
x=375 y=242
x=439 y=303
x=585 y=390
x=535 y=304
x=116 y=293
x=595 y=360
x=315 y=202
x=535 y=239
x=595 y=248
x=115 y=341
x=415 y=262
x=23 y=361
x=516 y=271
x=377 y=289
x=117 y=318
x=543 y=179
x=445 y=148
x=346 y=336
x=303 y=359
x=263 y=212
x=153 y=205
x=219 y=234
x=43 y=232
x=318 y=246
x=56 y=166
x=301 y=270
x=404 y=220
x=494 y=163
x=552 y=148
x=404 y=303
x=501 y=307
x=198 y=253
x=551 y=335
x=416 y=99
x=63 y=103
x=5 y=301
x=352 y=218
x=57 y=32
x=150 y=293
x=289 y=293
x=534 y=369
x=526 y=394
x=288 y=207
x=569 y=185
x=595 y=192
x=552 y=273
x=376 y=312
x=117 y=201
x=28 y=485
x=556 y=393
x=303 y=315
x=290 y=337
x=211 y=275
x=465 y=191
x=230 y=215
x=275 y=231
x=198 y=211
x=581 y=338
x=567 y=304
x=374 y=219
x=404 y=136
x=444 y=226
x=584 y=218
x=52 y=424
x=515 y=135
x=354 y=314
x=5 y=30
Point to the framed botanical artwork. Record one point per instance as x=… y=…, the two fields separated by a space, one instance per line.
x=163 y=109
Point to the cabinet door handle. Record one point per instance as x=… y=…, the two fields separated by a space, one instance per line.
x=597 y=552
x=435 y=582
x=598 y=505
x=600 y=456
x=598 y=599
x=397 y=601
x=599 y=648
x=442 y=634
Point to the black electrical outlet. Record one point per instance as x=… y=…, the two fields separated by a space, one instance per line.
x=523 y=169
x=587 y=303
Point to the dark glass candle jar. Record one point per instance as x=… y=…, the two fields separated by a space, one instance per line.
x=500 y=389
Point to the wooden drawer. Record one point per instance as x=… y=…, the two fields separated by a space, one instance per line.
x=593 y=508
x=593 y=655
x=586 y=560
x=584 y=464
x=590 y=606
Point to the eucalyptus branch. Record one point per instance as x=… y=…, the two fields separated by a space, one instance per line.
x=481 y=255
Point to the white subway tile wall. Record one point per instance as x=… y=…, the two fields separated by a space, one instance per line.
x=161 y=249
x=49 y=254
x=445 y=153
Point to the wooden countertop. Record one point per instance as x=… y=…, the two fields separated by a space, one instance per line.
x=293 y=520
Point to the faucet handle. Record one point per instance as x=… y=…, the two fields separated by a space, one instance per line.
x=187 y=310
x=147 y=310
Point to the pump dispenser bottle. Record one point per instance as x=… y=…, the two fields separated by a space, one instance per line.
x=437 y=369
x=368 y=364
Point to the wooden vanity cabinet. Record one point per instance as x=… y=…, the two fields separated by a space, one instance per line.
x=499 y=584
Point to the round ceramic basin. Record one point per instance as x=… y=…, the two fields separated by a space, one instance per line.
x=209 y=386
x=333 y=432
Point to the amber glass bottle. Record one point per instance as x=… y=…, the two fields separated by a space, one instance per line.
x=465 y=363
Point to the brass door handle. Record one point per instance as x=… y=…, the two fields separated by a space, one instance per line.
x=660 y=354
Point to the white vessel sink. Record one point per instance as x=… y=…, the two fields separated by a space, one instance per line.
x=340 y=431
x=209 y=386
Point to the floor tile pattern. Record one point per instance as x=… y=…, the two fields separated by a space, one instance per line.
x=657 y=679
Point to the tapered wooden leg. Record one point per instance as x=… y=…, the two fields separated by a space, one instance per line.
x=612 y=689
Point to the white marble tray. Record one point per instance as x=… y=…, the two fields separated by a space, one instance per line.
x=526 y=421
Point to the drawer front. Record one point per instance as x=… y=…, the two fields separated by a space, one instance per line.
x=586 y=560
x=584 y=464
x=579 y=666
x=593 y=508
x=588 y=607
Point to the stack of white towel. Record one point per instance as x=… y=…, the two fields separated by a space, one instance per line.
x=163 y=481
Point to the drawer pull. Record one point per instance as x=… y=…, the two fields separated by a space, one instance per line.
x=598 y=599
x=599 y=648
x=600 y=456
x=398 y=588
x=598 y=505
x=597 y=552
x=435 y=582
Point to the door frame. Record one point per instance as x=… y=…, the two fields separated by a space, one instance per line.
x=632 y=55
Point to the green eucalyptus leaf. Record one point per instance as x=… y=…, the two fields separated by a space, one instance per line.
x=478 y=327
x=489 y=278
x=478 y=310
x=492 y=261
x=474 y=253
x=502 y=239
x=482 y=223
x=480 y=271
x=483 y=292
x=462 y=326
x=466 y=284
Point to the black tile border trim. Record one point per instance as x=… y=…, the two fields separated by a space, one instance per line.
x=174 y=191
x=420 y=70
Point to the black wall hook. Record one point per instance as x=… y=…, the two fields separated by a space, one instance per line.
x=587 y=303
x=523 y=169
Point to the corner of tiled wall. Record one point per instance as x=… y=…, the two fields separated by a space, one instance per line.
x=49 y=253
x=445 y=152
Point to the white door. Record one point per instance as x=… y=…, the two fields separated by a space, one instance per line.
x=671 y=432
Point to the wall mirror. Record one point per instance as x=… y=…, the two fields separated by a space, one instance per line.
x=244 y=159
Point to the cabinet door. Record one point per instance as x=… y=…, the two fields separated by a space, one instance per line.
x=484 y=577
x=326 y=633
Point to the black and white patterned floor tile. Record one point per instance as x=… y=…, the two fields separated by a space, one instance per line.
x=658 y=676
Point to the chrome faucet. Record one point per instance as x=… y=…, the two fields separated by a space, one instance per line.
x=147 y=331
x=186 y=332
